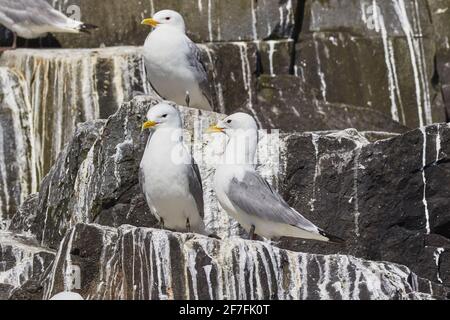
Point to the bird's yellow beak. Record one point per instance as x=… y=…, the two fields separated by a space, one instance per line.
x=150 y=22
x=149 y=124
x=214 y=128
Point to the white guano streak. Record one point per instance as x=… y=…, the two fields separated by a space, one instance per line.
x=437 y=258
x=415 y=47
x=424 y=163
x=210 y=21
x=323 y=83
x=272 y=51
x=254 y=20
x=394 y=90
x=247 y=77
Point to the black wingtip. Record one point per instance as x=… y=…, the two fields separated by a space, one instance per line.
x=214 y=236
x=332 y=238
x=86 y=27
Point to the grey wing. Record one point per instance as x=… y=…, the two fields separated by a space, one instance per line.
x=195 y=187
x=147 y=197
x=31 y=12
x=150 y=82
x=196 y=62
x=256 y=197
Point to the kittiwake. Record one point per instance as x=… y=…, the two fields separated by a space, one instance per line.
x=169 y=177
x=173 y=62
x=31 y=19
x=248 y=197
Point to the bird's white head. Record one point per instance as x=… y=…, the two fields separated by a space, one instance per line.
x=242 y=131
x=234 y=124
x=166 y=18
x=163 y=115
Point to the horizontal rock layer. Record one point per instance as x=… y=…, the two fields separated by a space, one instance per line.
x=206 y=20
x=374 y=54
x=138 y=263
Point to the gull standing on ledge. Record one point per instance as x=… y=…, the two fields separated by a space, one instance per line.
x=173 y=62
x=247 y=197
x=31 y=19
x=169 y=177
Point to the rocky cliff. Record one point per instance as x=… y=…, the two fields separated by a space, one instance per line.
x=359 y=90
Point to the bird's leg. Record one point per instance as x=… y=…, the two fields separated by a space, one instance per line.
x=161 y=223
x=188 y=99
x=14 y=45
x=188 y=226
x=252 y=233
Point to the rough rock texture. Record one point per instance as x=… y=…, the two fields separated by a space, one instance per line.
x=367 y=190
x=56 y=192
x=92 y=84
x=373 y=54
x=21 y=259
x=17 y=178
x=440 y=15
x=283 y=102
x=95 y=179
x=389 y=199
x=381 y=67
x=206 y=20
x=139 y=263
x=66 y=87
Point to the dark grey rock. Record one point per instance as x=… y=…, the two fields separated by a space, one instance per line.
x=25 y=217
x=95 y=179
x=372 y=194
x=56 y=192
x=140 y=263
x=346 y=57
x=51 y=91
x=285 y=103
x=206 y=21
x=22 y=260
x=16 y=167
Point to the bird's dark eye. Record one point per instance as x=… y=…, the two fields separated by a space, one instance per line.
x=167 y=18
x=229 y=121
x=164 y=116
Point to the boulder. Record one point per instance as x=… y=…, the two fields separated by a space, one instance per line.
x=141 y=264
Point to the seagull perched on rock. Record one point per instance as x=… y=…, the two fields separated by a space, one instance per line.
x=173 y=62
x=169 y=176
x=249 y=198
x=31 y=19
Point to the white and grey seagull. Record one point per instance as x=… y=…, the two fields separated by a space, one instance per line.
x=173 y=62
x=248 y=197
x=31 y=19
x=169 y=176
